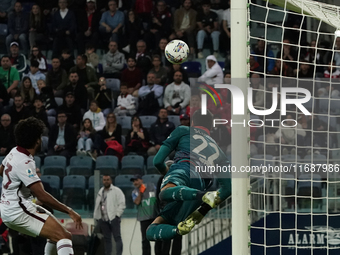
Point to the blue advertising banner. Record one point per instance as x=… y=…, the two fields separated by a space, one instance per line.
x=315 y=235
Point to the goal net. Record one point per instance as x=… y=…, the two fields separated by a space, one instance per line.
x=294 y=159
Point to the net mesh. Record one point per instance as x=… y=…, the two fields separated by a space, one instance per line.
x=294 y=161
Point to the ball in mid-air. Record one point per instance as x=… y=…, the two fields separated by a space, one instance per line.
x=176 y=52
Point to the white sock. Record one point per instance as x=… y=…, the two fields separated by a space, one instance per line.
x=64 y=247
x=50 y=248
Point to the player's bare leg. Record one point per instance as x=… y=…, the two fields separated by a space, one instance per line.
x=56 y=233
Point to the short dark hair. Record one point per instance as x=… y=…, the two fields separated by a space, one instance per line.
x=5 y=56
x=94 y=102
x=89 y=46
x=35 y=63
x=203 y=120
x=31 y=126
x=156 y=56
x=83 y=57
x=123 y=84
x=131 y=57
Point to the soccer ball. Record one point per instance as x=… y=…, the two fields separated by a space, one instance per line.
x=176 y=52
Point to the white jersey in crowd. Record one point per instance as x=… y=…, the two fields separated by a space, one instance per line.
x=19 y=173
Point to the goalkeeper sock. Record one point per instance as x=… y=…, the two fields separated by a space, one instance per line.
x=157 y=232
x=180 y=193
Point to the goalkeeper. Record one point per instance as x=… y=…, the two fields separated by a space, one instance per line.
x=183 y=188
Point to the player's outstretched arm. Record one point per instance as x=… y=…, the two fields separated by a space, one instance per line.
x=39 y=192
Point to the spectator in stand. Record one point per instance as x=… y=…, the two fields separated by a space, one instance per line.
x=266 y=62
x=225 y=34
x=126 y=102
x=133 y=31
x=87 y=75
x=160 y=131
x=6 y=7
x=214 y=73
x=288 y=55
x=185 y=120
x=38 y=112
x=95 y=115
x=160 y=25
x=113 y=62
x=143 y=9
x=35 y=75
x=7 y=141
x=160 y=51
x=62 y=138
x=132 y=76
x=85 y=138
x=88 y=24
x=195 y=104
x=18 y=111
x=258 y=90
x=254 y=66
x=137 y=139
x=9 y=76
x=18 y=60
x=330 y=89
x=63 y=28
x=66 y=60
x=185 y=25
x=207 y=23
x=37 y=26
x=27 y=92
x=177 y=95
x=284 y=70
x=78 y=90
x=160 y=72
x=150 y=97
x=111 y=23
x=47 y=98
x=4 y=98
x=306 y=71
x=174 y=68
x=314 y=57
x=38 y=56
x=92 y=57
x=103 y=96
x=143 y=58
x=111 y=132
x=72 y=110
x=17 y=28
x=56 y=78
x=48 y=8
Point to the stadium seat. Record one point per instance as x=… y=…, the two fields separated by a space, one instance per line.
x=51 y=120
x=113 y=84
x=309 y=185
x=80 y=237
x=194 y=69
x=332 y=120
x=132 y=164
x=100 y=68
x=221 y=64
x=2 y=158
x=59 y=101
x=74 y=188
x=37 y=161
x=80 y=165
x=174 y=119
x=125 y=122
x=54 y=165
x=90 y=194
x=151 y=178
x=150 y=167
x=123 y=182
x=317 y=158
x=1 y=184
x=54 y=182
x=147 y=121
x=107 y=165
